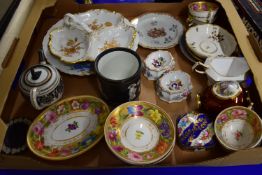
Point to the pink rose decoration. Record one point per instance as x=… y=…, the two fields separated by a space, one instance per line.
x=75 y=105
x=222 y=118
x=238 y=113
x=134 y=156
x=38 y=129
x=50 y=117
x=118 y=148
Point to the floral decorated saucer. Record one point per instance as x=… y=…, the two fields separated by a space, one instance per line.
x=210 y=40
x=139 y=133
x=94 y=19
x=110 y=37
x=238 y=128
x=157 y=63
x=68 y=128
x=174 y=86
x=69 y=44
x=158 y=30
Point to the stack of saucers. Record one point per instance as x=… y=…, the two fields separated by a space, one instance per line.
x=140 y=133
x=208 y=40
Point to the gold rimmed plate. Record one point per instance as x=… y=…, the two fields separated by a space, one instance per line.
x=139 y=133
x=68 y=128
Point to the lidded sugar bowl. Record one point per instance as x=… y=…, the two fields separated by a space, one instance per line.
x=42 y=83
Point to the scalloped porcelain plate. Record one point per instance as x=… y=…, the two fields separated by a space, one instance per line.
x=69 y=44
x=68 y=128
x=110 y=37
x=78 y=69
x=95 y=19
x=158 y=30
x=210 y=40
x=139 y=133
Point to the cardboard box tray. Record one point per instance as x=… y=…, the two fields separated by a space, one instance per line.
x=99 y=156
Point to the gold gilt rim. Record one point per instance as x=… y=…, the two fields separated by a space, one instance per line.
x=154 y=106
x=60 y=57
x=159 y=13
x=228 y=97
x=212 y=25
x=40 y=116
x=216 y=130
x=213 y=4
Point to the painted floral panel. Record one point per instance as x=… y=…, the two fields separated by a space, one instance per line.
x=36 y=134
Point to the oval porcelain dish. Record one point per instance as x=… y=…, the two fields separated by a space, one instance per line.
x=69 y=44
x=210 y=40
x=158 y=30
x=195 y=131
x=68 y=128
x=139 y=133
x=238 y=128
x=174 y=86
x=111 y=37
x=157 y=63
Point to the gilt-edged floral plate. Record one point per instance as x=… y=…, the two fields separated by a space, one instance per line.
x=68 y=128
x=209 y=40
x=158 y=30
x=139 y=133
x=110 y=37
x=78 y=69
x=69 y=44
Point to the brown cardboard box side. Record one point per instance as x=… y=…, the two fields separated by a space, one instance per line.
x=100 y=155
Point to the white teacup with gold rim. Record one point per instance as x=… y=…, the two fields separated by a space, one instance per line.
x=238 y=128
x=202 y=11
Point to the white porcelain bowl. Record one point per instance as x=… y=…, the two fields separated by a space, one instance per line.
x=238 y=128
x=157 y=63
x=174 y=86
x=209 y=40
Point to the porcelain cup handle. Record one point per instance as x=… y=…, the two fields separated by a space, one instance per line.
x=194 y=67
x=71 y=20
x=33 y=98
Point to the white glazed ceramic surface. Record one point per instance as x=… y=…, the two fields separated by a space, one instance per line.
x=158 y=30
x=118 y=65
x=110 y=37
x=225 y=68
x=139 y=134
x=72 y=69
x=79 y=69
x=210 y=40
x=203 y=11
x=95 y=19
x=69 y=44
x=238 y=128
x=157 y=63
x=174 y=86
